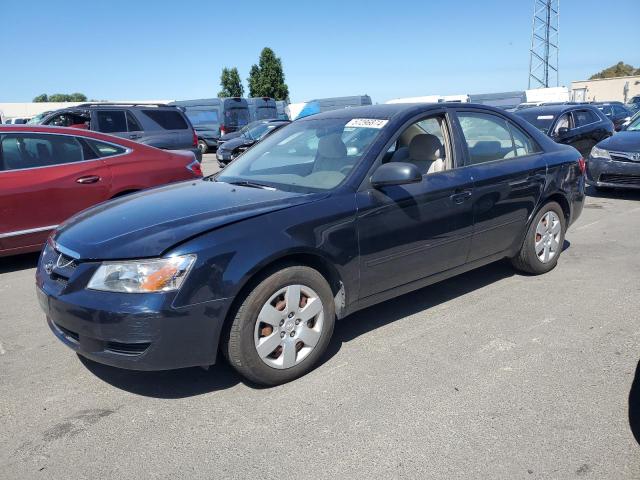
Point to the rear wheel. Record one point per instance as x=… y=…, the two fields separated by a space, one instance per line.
x=283 y=326
x=544 y=241
x=203 y=147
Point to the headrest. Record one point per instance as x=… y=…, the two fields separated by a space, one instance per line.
x=332 y=146
x=425 y=148
x=486 y=148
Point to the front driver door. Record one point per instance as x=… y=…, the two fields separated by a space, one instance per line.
x=410 y=232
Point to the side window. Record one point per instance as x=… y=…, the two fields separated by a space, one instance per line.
x=132 y=123
x=488 y=137
x=424 y=144
x=111 y=121
x=105 y=149
x=618 y=110
x=20 y=151
x=167 y=119
x=564 y=121
x=584 y=117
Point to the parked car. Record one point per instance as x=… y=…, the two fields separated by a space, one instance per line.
x=578 y=125
x=615 y=111
x=157 y=125
x=244 y=131
x=615 y=162
x=48 y=174
x=229 y=150
x=213 y=118
x=262 y=108
x=326 y=216
x=281 y=106
x=16 y=121
x=37 y=119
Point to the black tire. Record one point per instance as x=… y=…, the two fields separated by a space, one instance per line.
x=203 y=147
x=526 y=260
x=240 y=349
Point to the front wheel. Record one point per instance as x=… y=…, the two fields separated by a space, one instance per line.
x=282 y=327
x=203 y=147
x=544 y=241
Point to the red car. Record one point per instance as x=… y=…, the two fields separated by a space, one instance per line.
x=48 y=174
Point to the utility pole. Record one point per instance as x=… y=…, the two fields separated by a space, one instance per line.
x=545 y=34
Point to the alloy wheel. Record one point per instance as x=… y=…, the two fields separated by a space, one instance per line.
x=548 y=235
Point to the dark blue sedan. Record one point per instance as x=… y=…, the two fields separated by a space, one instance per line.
x=330 y=214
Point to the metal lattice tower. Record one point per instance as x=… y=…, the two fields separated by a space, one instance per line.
x=543 y=61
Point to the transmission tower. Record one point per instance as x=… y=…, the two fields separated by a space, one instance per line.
x=545 y=33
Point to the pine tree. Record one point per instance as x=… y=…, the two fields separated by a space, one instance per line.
x=267 y=78
x=230 y=83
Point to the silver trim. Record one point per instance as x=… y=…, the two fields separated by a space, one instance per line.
x=632 y=156
x=23 y=132
x=67 y=251
x=26 y=232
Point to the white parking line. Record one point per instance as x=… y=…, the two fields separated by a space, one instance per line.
x=581 y=227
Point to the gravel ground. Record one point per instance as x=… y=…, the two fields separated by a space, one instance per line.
x=488 y=375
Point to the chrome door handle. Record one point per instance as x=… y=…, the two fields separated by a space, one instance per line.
x=461 y=197
x=88 y=179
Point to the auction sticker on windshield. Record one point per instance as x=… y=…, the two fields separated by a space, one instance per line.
x=367 y=123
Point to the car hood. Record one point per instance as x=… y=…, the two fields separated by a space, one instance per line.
x=237 y=142
x=622 y=142
x=148 y=223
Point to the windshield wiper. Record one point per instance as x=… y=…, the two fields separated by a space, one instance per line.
x=247 y=183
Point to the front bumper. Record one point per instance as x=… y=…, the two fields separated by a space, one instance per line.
x=132 y=331
x=615 y=173
x=223 y=157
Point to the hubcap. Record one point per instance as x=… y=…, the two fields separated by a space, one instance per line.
x=547 y=242
x=289 y=326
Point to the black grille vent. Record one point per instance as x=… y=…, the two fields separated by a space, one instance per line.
x=68 y=333
x=127 y=348
x=620 y=179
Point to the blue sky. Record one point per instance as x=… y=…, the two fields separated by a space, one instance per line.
x=166 y=49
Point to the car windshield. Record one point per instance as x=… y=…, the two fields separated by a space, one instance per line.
x=255 y=131
x=305 y=156
x=634 y=126
x=542 y=121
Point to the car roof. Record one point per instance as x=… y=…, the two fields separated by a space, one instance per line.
x=554 y=109
x=389 y=110
x=25 y=128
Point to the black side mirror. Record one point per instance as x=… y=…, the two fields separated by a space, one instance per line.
x=562 y=131
x=395 y=173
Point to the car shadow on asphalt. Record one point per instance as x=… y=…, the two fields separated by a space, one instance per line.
x=187 y=382
x=168 y=384
x=634 y=406
x=19 y=262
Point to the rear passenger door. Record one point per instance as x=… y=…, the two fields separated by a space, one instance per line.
x=586 y=131
x=44 y=179
x=166 y=128
x=508 y=170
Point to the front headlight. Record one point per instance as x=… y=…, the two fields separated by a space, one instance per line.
x=142 y=276
x=600 y=153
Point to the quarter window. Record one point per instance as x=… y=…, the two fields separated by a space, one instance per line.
x=105 y=149
x=490 y=138
x=20 y=151
x=111 y=121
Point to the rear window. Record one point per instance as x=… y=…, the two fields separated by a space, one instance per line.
x=236 y=117
x=263 y=113
x=200 y=118
x=167 y=119
x=542 y=121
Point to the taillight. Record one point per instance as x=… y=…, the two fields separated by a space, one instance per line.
x=582 y=164
x=223 y=130
x=195 y=168
x=195 y=139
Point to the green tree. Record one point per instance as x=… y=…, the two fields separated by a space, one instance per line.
x=620 y=69
x=230 y=83
x=41 y=98
x=266 y=79
x=78 y=97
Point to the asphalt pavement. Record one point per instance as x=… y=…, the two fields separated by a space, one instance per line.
x=490 y=375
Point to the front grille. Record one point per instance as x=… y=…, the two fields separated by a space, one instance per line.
x=127 y=348
x=620 y=179
x=67 y=263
